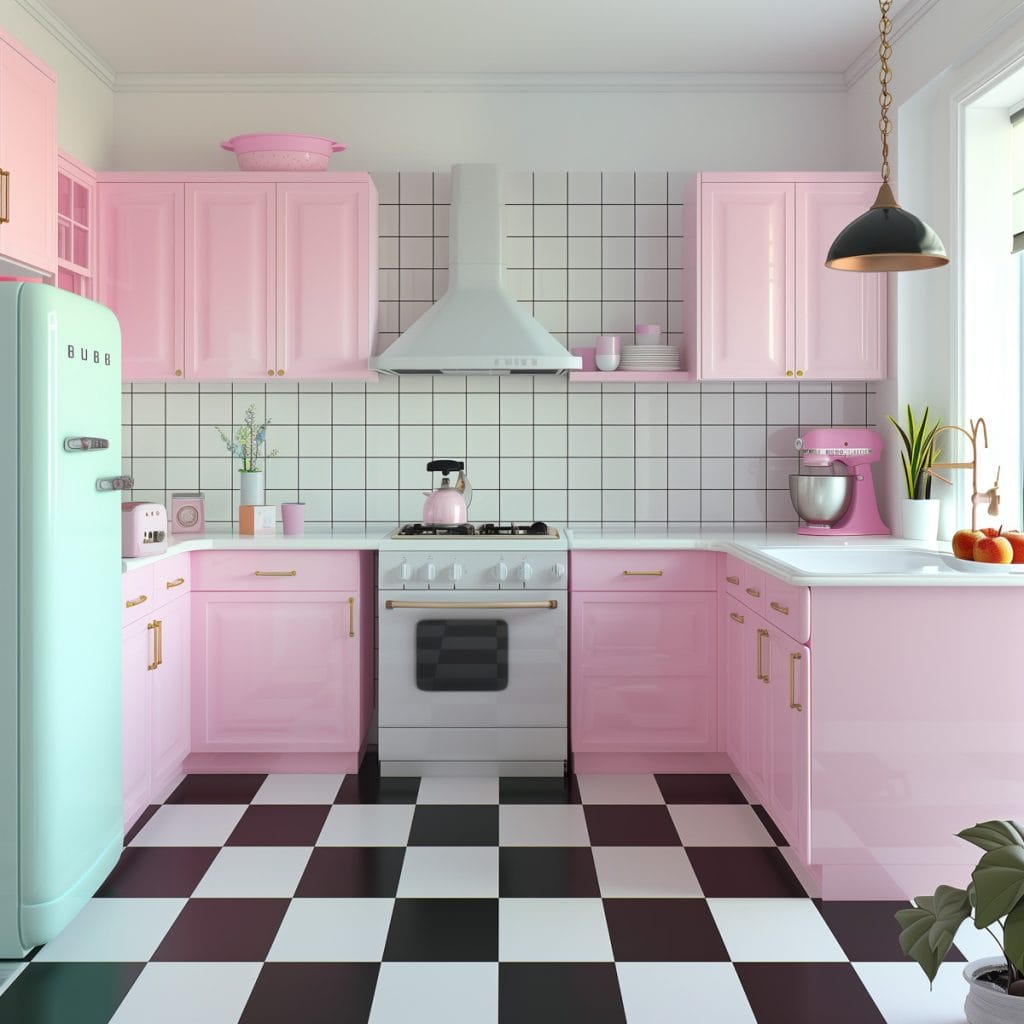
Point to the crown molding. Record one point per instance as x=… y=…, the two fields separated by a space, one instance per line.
x=485 y=82
x=908 y=17
x=65 y=35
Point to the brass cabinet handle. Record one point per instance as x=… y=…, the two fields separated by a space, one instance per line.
x=159 y=642
x=780 y=608
x=151 y=628
x=734 y=580
x=178 y=373
x=643 y=572
x=135 y=601
x=391 y=605
x=351 y=616
x=736 y=617
x=5 y=197
x=753 y=592
x=276 y=572
x=171 y=584
x=793 y=659
x=761 y=634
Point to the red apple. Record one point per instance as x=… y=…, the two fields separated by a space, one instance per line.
x=963 y=543
x=1016 y=539
x=991 y=531
x=993 y=549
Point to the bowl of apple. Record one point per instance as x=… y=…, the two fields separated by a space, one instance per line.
x=987 y=550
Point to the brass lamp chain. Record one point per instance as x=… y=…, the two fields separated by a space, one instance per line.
x=884 y=78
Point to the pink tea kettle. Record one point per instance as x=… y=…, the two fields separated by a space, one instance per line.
x=445 y=506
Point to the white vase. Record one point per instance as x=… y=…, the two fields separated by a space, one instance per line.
x=250 y=487
x=987 y=1003
x=919 y=518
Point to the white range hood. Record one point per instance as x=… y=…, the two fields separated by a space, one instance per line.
x=476 y=326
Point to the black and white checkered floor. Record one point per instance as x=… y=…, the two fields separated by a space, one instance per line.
x=320 y=898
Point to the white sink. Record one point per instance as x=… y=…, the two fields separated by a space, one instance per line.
x=858 y=561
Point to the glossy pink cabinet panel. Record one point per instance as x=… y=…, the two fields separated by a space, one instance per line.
x=169 y=697
x=137 y=654
x=276 y=571
x=734 y=677
x=633 y=571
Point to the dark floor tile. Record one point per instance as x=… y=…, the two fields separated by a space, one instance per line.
x=798 y=993
x=670 y=929
x=360 y=789
x=158 y=871
x=463 y=825
x=223 y=930
x=867 y=929
x=513 y=790
x=717 y=788
x=630 y=825
x=140 y=823
x=743 y=871
x=356 y=872
x=559 y=993
x=536 y=872
x=216 y=789
x=279 y=825
x=312 y=994
x=770 y=827
x=434 y=930
x=59 y=992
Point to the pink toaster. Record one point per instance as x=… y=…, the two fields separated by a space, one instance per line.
x=143 y=529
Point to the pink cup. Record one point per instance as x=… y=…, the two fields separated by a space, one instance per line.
x=608 y=345
x=587 y=355
x=293 y=518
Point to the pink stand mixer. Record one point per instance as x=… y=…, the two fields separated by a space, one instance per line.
x=838 y=505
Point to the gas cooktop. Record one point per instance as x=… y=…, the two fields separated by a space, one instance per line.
x=529 y=531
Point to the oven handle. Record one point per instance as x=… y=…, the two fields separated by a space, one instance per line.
x=390 y=605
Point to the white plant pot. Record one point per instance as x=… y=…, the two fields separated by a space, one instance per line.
x=250 y=487
x=987 y=1003
x=919 y=518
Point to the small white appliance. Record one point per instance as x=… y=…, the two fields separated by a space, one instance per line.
x=188 y=512
x=143 y=529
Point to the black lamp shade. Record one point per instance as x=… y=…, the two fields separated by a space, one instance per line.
x=886 y=238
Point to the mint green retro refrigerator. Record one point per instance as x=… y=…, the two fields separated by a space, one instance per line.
x=60 y=624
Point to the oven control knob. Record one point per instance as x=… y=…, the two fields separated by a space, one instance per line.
x=526 y=572
x=430 y=571
x=501 y=572
x=405 y=571
x=558 y=570
x=455 y=572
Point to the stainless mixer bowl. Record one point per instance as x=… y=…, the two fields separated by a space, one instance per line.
x=821 y=500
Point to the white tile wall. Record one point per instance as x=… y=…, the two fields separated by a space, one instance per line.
x=587 y=253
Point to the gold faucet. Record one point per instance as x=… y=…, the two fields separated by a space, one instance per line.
x=977 y=498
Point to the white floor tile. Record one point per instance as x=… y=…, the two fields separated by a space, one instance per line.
x=900 y=991
x=774 y=931
x=553 y=930
x=254 y=872
x=719 y=825
x=542 y=825
x=976 y=943
x=197 y=993
x=462 y=872
x=321 y=931
x=299 y=789
x=469 y=790
x=367 y=825
x=655 y=993
x=127 y=931
x=190 y=825
x=662 y=872
x=443 y=993
x=619 y=789
x=8 y=972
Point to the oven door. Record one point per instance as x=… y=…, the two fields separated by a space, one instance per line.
x=462 y=659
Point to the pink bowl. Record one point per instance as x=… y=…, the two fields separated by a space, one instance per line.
x=265 y=151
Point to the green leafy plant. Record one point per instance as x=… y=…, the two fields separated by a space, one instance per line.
x=995 y=896
x=248 y=441
x=920 y=452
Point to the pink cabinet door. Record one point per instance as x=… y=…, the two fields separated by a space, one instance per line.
x=734 y=679
x=169 y=722
x=140 y=246
x=840 y=317
x=746 y=280
x=137 y=656
x=274 y=673
x=323 y=314
x=28 y=155
x=229 y=281
x=643 y=673
x=788 y=796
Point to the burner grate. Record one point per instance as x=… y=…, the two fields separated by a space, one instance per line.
x=537 y=529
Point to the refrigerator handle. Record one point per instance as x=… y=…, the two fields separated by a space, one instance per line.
x=85 y=444
x=115 y=483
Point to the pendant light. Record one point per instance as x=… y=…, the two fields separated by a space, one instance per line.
x=887 y=237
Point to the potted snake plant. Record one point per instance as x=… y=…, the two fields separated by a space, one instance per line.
x=919 y=511
x=995 y=898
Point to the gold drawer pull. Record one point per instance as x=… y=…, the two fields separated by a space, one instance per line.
x=753 y=592
x=276 y=572
x=136 y=600
x=761 y=674
x=793 y=659
x=780 y=608
x=351 y=616
x=171 y=584
x=736 y=618
x=734 y=580
x=643 y=572
x=151 y=627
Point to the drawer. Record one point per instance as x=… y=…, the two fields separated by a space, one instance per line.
x=136 y=594
x=265 y=571
x=744 y=582
x=643 y=570
x=171 y=578
x=788 y=607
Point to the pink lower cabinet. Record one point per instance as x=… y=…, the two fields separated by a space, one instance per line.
x=137 y=656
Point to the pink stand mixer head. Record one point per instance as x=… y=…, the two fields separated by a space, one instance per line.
x=855 y=448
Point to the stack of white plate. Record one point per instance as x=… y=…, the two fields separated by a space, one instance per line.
x=654 y=358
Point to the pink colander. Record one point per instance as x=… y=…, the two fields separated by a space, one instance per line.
x=268 y=151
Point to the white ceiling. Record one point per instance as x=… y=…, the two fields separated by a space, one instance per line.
x=475 y=36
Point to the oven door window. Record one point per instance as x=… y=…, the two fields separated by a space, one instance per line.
x=461 y=655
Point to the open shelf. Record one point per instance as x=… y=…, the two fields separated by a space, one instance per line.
x=631 y=376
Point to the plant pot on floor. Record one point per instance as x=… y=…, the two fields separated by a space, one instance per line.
x=987 y=1002
x=250 y=487
x=919 y=518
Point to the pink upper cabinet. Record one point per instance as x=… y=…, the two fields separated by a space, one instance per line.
x=28 y=158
